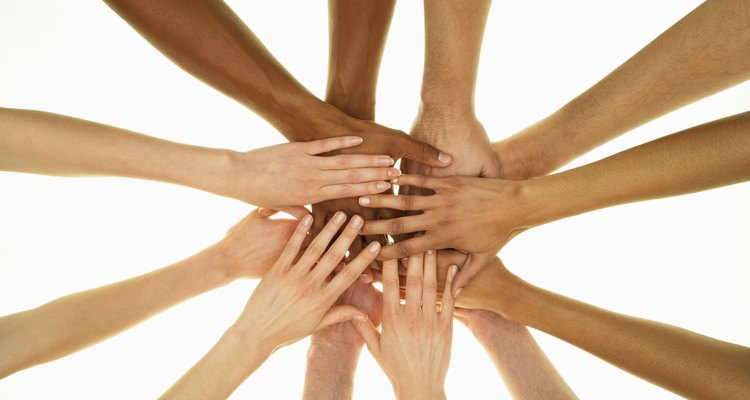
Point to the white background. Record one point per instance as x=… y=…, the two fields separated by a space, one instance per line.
x=682 y=261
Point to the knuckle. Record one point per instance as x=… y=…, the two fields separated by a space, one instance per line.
x=344 y=161
x=391 y=283
x=407 y=202
x=353 y=176
x=346 y=190
x=414 y=283
x=403 y=249
x=397 y=227
x=429 y=286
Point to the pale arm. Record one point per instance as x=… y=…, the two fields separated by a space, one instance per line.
x=687 y=363
x=700 y=55
x=526 y=370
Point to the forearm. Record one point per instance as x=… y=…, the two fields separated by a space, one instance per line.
x=222 y=51
x=453 y=42
x=46 y=143
x=234 y=358
x=522 y=364
x=698 y=56
x=330 y=370
x=692 y=365
x=358 y=31
x=74 y=322
x=700 y=158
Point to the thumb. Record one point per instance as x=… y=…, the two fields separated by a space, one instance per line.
x=340 y=314
x=262 y=212
x=422 y=152
x=474 y=263
x=369 y=334
x=297 y=212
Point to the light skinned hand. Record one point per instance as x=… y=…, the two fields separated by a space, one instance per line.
x=415 y=344
x=295 y=298
x=296 y=174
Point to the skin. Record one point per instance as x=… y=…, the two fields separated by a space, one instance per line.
x=684 y=362
x=526 y=370
x=700 y=55
x=700 y=158
x=77 y=321
x=44 y=143
x=246 y=71
x=415 y=334
x=358 y=30
x=293 y=299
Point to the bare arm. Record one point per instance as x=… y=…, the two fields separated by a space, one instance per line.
x=77 y=321
x=522 y=364
x=700 y=55
x=687 y=363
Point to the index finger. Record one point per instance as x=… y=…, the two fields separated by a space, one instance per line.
x=391 y=289
x=422 y=152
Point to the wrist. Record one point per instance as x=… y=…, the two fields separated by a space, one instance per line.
x=211 y=267
x=313 y=120
x=446 y=108
x=415 y=391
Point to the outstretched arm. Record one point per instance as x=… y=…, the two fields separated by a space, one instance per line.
x=687 y=363
x=522 y=364
x=221 y=50
x=45 y=143
x=700 y=55
x=699 y=158
x=74 y=322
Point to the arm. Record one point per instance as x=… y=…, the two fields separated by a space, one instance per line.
x=223 y=52
x=414 y=334
x=699 y=158
x=292 y=301
x=453 y=41
x=74 y=322
x=334 y=350
x=698 y=56
x=687 y=363
x=45 y=143
x=522 y=364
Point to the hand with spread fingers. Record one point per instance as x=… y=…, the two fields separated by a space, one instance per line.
x=414 y=346
x=294 y=299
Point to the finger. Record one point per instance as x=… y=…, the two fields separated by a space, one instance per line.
x=347 y=161
x=449 y=300
x=391 y=286
x=320 y=243
x=400 y=202
x=337 y=251
x=397 y=226
x=414 y=281
x=429 y=290
x=420 y=181
x=470 y=269
x=297 y=212
x=262 y=212
x=409 y=247
x=340 y=314
x=422 y=152
x=369 y=334
x=358 y=175
x=294 y=244
x=330 y=144
x=343 y=191
x=353 y=270
x=319 y=220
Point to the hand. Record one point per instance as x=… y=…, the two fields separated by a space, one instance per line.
x=456 y=216
x=415 y=345
x=251 y=246
x=295 y=174
x=377 y=140
x=295 y=299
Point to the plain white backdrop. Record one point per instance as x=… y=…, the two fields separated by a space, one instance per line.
x=682 y=261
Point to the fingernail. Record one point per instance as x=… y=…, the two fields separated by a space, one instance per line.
x=374 y=247
x=458 y=292
x=360 y=317
x=382 y=185
x=355 y=140
x=364 y=201
x=339 y=218
x=364 y=278
x=307 y=220
x=394 y=181
x=454 y=269
x=444 y=158
x=356 y=221
x=385 y=161
x=262 y=211
x=394 y=173
x=430 y=252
